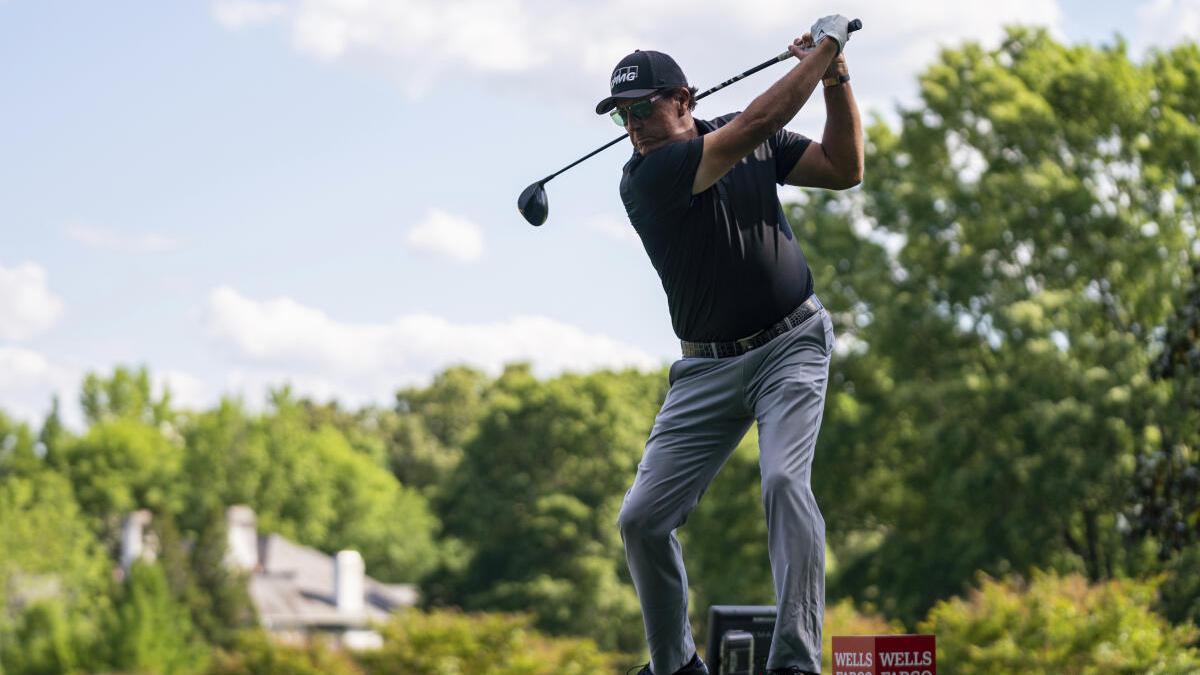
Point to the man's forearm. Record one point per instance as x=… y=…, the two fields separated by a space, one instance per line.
x=775 y=107
x=842 y=140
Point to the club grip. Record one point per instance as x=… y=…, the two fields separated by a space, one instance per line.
x=854 y=25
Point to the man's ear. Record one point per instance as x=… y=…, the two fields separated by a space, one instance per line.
x=682 y=98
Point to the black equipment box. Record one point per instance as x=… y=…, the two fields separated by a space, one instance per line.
x=758 y=621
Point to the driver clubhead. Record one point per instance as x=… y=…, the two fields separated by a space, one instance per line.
x=533 y=204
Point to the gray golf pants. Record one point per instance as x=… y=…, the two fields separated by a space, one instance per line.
x=709 y=407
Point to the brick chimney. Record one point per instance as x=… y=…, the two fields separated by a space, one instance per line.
x=242 y=536
x=133 y=539
x=348 y=574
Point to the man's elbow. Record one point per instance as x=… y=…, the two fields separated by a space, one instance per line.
x=843 y=175
x=756 y=128
x=849 y=180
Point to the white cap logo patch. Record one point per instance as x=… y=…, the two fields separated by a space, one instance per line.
x=626 y=74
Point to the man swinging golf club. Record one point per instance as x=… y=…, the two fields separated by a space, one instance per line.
x=756 y=341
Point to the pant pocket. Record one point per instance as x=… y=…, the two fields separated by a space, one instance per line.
x=830 y=338
x=676 y=371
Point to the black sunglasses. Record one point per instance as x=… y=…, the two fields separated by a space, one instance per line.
x=640 y=110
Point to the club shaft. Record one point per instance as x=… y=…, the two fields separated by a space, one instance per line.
x=854 y=25
x=769 y=62
x=597 y=151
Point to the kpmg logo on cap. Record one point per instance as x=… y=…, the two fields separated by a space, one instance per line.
x=620 y=75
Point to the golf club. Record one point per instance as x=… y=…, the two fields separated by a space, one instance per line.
x=533 y=204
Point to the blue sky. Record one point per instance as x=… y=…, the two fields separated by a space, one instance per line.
x=238 y=194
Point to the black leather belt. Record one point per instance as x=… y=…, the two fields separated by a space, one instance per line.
x=721 y=350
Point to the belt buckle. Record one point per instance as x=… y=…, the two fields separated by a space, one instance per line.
x=744 y=343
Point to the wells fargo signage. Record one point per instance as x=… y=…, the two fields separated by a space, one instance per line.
x=885 y=655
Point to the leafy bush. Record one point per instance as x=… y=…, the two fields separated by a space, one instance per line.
x=844 y=618
x=256 y=653
x=1058 y=625
x=449 y=642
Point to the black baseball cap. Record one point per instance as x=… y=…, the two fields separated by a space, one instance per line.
x=640 y=74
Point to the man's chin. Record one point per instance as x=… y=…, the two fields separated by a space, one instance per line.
x=647 y=147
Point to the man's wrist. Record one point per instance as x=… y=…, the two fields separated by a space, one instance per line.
x=835 y=81
x=833 y=45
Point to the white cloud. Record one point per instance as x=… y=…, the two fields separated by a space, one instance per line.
x=27 y=306
x=614 y=228
x=112 y=240
x=1163 y=23
x=253 y=384
x=187 y=390
x=446 y=235
x=282 y=340
x=436 y=42
x=28 y=383
x=238 y=14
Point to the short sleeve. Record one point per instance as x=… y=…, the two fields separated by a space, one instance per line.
x=789 y=148
x=658 y=186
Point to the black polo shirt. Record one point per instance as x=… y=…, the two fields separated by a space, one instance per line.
x=727 y=257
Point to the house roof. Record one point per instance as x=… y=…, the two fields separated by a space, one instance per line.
x=293 y=586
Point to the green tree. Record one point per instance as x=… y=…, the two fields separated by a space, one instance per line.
x=219 y=598
x=53 y=435
x=306 y=480
x=312 y=486
x=121 y=465
x=391 y=525
x=1056 y=625
x=152 y=631
x=415 y=455
x=450 y=406
x=536 y=498
x=127 y=394
x=999 y=282
x=40 y=642
x=18 y=449
x=366 y=428
x=1166 y=502
x=198 y=576
x=1179 y=595
x=432 y=424
x=54 y=574
x=227 y=446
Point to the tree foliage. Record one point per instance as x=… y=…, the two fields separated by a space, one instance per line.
x=321 y=491
x=54 y=572
x=153 y=631
x=1018 y=242
x=215 y=595
x=426 y=431
x=127 y=394
x=121 y=465
x=447 y=641
x=255 y=652
x=307 y=481
x=1054 y=624
x=536 y=499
